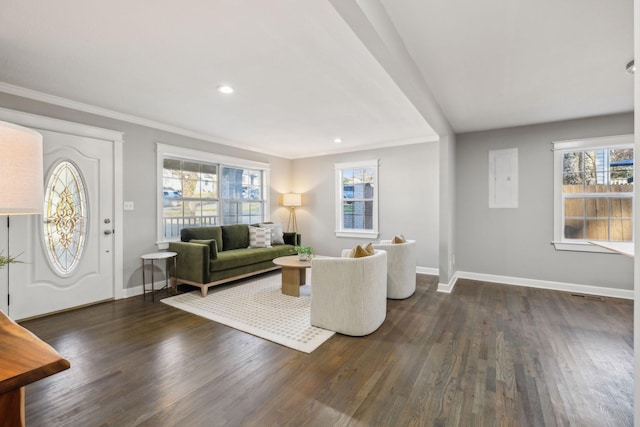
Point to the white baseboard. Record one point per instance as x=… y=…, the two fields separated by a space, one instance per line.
x=447 y=288
x=427 y=270
x=137 y=290
x=491 y=278
x=545 y=284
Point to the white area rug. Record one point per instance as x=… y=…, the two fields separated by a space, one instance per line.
x=259 y=308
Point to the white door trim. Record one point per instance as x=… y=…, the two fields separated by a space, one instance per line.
x=117 y=138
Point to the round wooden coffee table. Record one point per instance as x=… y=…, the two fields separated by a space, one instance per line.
x=293 y=273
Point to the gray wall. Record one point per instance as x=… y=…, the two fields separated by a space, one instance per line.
x=408 y=198
x=139 y=174
x=517 y=242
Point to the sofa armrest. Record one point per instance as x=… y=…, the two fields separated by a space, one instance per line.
x=292 y=238
x=192 y=261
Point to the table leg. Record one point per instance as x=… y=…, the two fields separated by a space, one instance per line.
x=292 y=278
x=174 y=278
x=144 y=281
x=153 y=291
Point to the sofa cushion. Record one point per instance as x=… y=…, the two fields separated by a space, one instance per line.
x=259 y=237
x=360 y=251
x=241 y=257
x=276 y=232
x=213 y=246
x=203 y=233
x=235 y=236
x=399 y=238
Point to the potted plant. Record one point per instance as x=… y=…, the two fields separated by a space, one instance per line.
x=305 y=253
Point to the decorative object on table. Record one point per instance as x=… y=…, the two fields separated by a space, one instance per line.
x=401 y=267
x=305 y=253
x=292 y=201
x=259 y=308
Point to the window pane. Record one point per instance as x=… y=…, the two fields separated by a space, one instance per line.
x=358 y=215
x=574 y=229
x=572 y=168
x=185 y=184
x=597 y=229
x=65 y=214
x=574 y=208
x=209 y=213
x=621 y=230
x=607 y=173
x=621 y=208
x=597 y=208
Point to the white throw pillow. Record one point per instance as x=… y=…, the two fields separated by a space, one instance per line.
x=276 y=233
x=259 y=237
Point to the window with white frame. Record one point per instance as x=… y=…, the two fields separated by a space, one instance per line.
x=200 y=189
x=357 y=199
x=593 y=192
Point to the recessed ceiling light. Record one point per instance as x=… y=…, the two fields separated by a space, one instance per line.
x=337 y=140
x=226 y=89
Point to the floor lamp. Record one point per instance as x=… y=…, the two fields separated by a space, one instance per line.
x=292 y=201
x=21 y=169
x=25 y=357
x=21 y=166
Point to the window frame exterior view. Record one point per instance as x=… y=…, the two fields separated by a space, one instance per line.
x=200 y=189
x=593 y=183
x=357 y=199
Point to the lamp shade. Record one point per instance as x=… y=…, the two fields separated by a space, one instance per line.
x=292 y=199
x=21 y=170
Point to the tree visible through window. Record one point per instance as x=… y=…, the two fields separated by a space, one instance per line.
x=206 y=192
x=596 y=192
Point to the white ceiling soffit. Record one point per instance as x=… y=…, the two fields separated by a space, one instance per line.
x=301 y=77
x=503 y=63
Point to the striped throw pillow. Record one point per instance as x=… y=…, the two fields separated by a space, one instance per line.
x=259 y=237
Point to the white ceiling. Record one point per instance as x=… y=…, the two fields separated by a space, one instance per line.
x=304 y=74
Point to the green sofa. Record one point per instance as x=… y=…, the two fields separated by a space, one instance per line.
x=209 y=256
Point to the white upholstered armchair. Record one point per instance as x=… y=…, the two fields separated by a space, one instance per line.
x=401 y=268
x=349 y=295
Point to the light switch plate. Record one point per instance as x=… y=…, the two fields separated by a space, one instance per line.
x=128 y=206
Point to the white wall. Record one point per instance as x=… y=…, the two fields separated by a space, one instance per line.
x=517 y=242
x=140 y=175
x=408 y=198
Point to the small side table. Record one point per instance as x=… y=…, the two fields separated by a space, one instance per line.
x=167 y=256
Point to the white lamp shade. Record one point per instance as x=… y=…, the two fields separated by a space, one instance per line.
x=21 y=170
x=292 y=199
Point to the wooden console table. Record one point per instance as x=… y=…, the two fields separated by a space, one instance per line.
x=24 y=358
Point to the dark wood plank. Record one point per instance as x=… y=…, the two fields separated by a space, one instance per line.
x=485 y=355
x=24 y=358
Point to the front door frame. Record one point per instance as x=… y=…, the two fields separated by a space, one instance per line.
x=117 y=139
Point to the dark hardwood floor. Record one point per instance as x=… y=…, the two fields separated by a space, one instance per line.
x=485 y=355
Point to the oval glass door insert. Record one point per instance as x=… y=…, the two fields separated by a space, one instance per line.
x=65 y=218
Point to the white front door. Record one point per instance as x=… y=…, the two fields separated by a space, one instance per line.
x=67 y=254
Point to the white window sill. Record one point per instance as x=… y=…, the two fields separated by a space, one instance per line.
x=581 y=247
x=358 y=234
